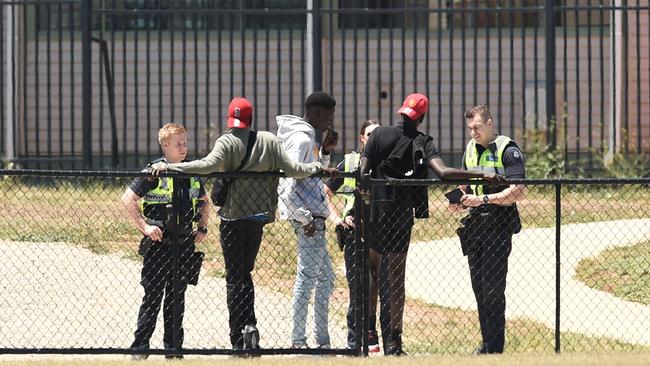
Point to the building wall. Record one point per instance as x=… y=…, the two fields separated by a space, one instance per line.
x=503 y=75
x=638 y=124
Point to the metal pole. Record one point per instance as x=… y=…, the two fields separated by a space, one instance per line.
x=362 y=231
x=551 y=132
x=615 y=81
x=86 y=85
x=9 y=85
x=558 y=224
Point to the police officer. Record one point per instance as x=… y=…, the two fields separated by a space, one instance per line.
x=344 y=222
x=486 y=236
x=147 y=202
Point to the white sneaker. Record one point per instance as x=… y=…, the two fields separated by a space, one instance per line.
x=373 y=349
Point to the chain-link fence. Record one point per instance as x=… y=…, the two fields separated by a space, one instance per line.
x=577 y=272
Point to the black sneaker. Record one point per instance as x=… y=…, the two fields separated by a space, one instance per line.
x=251 y=337
x=139 y=356
x=394 y=346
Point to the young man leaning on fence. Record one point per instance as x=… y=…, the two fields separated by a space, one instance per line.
x=146 y=202
x=401 y=152
x=249 y=205
x=486 y=233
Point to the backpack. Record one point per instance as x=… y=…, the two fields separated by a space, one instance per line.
x=407 y=159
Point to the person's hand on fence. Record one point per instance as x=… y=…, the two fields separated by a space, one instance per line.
x=157 y=168
x=153 y=232
x=494 y=179
x=332 y=172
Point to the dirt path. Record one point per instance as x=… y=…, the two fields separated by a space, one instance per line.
x=437 y=273
x=58 y=295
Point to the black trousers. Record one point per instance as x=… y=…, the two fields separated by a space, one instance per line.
x=157 y=279
x=488 y=266
x=355 y=310
x=240 y=242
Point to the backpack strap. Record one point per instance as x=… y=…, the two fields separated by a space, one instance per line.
x=252 y=137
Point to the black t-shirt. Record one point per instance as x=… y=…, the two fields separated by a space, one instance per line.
x=141 y=185
x=383 y=140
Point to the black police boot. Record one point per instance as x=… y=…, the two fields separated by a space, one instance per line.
x=394 y=346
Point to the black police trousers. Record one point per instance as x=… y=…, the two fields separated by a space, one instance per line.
x=158 y=280
x=355 y=310
x=488 y=267
x=240 y=242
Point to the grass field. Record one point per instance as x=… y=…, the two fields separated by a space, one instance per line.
x=500 y=360
x=89 y=214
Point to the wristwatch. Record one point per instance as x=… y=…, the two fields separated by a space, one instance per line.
x=486 y=199
x=203 y=230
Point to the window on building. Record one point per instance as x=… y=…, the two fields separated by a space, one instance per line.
x=404 y=14
x=523 y=13
x=236 y=15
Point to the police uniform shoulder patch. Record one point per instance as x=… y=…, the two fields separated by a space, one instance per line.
x=516 y=154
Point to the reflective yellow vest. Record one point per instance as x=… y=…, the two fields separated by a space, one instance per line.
x=487 y=162
x=349 y=184
x=162 y=194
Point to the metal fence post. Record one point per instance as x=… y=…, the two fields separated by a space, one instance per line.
x=362 y=217
x=86 y=84
x=551 y=133
x=558 y=225
x=171 y=228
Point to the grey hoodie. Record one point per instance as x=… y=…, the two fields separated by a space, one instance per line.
x=301 y=199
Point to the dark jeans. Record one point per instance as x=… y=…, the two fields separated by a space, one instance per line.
x=355 y=310
x=157 y=279
x=240 y=242
x=488 y=266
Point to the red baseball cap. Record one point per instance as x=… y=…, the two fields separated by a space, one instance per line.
x=240 y=112
x=414 y=106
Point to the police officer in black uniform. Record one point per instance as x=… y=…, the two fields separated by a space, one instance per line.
x=486 y=233
x=148 y=203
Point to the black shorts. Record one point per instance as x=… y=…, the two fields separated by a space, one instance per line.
x=390 y=234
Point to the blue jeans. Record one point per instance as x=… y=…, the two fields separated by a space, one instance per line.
x=314 y=271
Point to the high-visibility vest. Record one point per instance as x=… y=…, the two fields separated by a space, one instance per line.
x=349 y=184
x=163 y=193
x=488 y=162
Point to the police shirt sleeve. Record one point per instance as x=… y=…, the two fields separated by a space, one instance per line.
x=514 y=163
x=141 y=185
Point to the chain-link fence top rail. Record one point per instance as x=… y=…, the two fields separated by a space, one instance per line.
x=71 y=272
